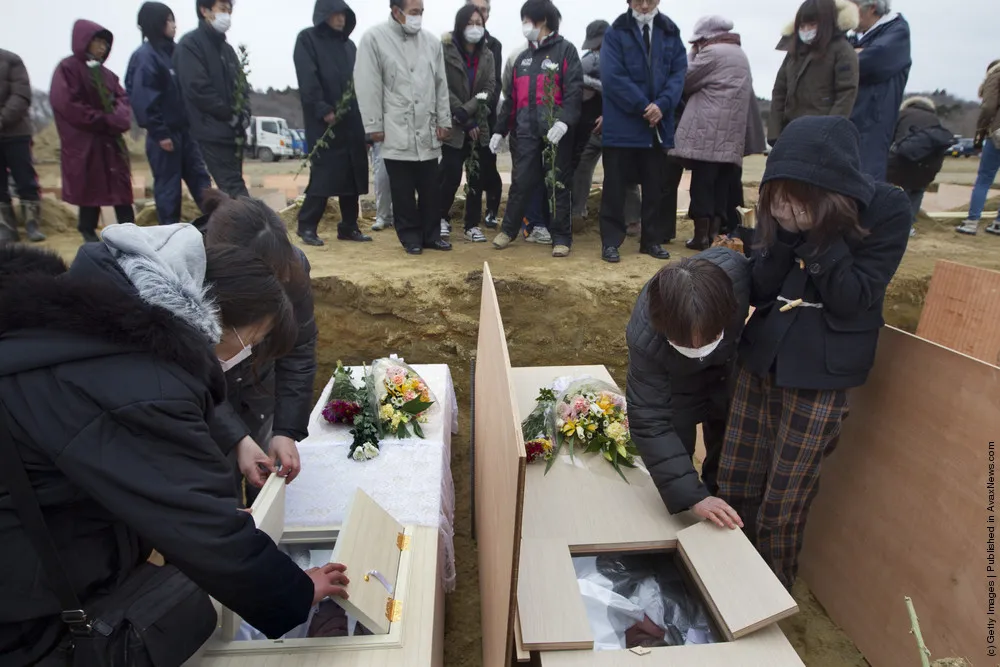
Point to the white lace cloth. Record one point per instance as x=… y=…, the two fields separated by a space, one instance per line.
x=411 y=478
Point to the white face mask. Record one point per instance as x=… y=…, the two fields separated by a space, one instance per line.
x=242 y=355
x=699 y=352
x=645 y=19
x=222 y=23
x=530 y=31
x=413 y=24
x=474 y=34
x=808 y=36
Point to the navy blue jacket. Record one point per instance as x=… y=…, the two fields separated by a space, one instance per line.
x=153 y=91
x=631 y=84
x=884 y=63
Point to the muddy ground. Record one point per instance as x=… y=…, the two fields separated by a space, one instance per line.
x=372 y=299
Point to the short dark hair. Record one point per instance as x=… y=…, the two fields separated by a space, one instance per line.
x=541 y=10
x=824 y=14
x=397 y=3
x=207 y=4
x=246 y=292
x=834 y=215
x=462 y=19
x=153 y=18
x=691 y=302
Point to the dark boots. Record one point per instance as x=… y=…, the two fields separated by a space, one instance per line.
x=702 y=235
x=8 y=225
x=31 y=211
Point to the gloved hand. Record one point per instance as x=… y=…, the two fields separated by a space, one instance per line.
x=558 y=131
x=495 y=141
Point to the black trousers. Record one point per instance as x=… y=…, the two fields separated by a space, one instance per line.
x=226 y=167
x=623 y=166
x=711 y=187
x=314 y=207
x=415 y=189
x=673 y=171
x=735 y=200
x=452 y=166
x=183 y=164
x=15 y=157
x=489 y=179
x=529 y=173
x=91 y=215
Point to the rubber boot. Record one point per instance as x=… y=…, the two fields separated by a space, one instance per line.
x=701 y=240
x=8 y=225
x=714 y=230
x=31 y=211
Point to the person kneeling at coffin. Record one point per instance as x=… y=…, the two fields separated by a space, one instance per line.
x=109 y=372
x=682 y=341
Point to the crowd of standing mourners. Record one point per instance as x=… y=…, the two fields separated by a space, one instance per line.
x=149 y=387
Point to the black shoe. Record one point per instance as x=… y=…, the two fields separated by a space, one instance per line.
x=356 y=235
x=611 y=255
x=413 y=250
x=491 y=220
x=655 y=251
x=438 y=245
x=89 y=237
x=310 y=238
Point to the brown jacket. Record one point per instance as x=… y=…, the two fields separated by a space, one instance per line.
x=15 y=97
x=989 y=111
x=463 y=100
x=812 y=84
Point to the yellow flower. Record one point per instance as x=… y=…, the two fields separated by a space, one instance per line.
x=386 y=412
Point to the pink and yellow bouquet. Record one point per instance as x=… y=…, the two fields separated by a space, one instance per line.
x=402 y=398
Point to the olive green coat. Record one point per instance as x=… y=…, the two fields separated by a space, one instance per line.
x=459 y=94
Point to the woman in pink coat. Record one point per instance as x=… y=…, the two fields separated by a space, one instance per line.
x=92 y=116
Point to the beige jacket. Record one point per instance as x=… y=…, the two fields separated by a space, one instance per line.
x=402 y=91
x=989 y=110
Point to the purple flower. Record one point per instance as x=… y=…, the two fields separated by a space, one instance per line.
x=341 y=412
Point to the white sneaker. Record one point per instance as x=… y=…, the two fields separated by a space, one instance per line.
x=540 y=235
x=993 y=228
x=475 y=235
x=381 y=224
x=969 y=227
x=445 y=229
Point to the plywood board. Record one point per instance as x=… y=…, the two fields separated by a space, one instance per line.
x=767 y=648
x=583 y=501
x=521 y=654
x=902 y=509
x=962 y=311
x=546 y=575
x=739 y=587
x=499 y=481
x=367 y=545
x=268 y=510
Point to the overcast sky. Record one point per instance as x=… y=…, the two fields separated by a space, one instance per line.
x=953 y=42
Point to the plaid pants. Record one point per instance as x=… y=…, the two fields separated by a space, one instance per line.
x=776 y=440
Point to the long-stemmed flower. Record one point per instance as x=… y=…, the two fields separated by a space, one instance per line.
x=107 y=103
x=342 y=109
x=241 y=97
x=472 y=162
x=551 y=151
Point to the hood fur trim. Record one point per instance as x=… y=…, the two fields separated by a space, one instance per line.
x=925 y=103
x=993 y=70
x=848 y=18
x=17 y=259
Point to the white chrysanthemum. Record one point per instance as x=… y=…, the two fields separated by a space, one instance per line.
x=482 y=97
x=550 y=66
x=359 y=454
x=370 y=450
x=93 y=64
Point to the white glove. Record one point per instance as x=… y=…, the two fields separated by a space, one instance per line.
x=495 y=142
x=558 y=131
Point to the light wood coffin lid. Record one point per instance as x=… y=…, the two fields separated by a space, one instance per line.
x=962 y=311
x=740 y=589
x=546 y=581
x=499 y=481
x=369 y=542
x=902 y=506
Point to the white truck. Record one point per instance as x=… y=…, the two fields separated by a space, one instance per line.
x=269 y=139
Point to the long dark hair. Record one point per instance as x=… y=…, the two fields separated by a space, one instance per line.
x=248 y=293
x=462 y=19
x=252 y=224
x=834 y=215
x=824 y=14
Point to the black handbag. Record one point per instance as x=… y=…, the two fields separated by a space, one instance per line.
x=154 y=617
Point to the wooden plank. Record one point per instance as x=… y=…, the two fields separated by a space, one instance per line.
x=902 y=508
x=546 y=575
x=767 y=648
x=368 y=545
x=520 y=652
x=583 y=502
x=499 y=481
x=741 y=590
x=962 y=311
x=268 y=510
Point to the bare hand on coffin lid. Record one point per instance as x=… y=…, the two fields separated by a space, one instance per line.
x=329 y=581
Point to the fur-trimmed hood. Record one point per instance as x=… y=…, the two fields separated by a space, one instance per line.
x=995 y=70
x=848 y=18
x=920 y=102
x=52 y=316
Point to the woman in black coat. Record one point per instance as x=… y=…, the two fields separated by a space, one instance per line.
x=324 y=63
x=108 y=372
x=829 y=240
x=269 y=395
x=918 y=150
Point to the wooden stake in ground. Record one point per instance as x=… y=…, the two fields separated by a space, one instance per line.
x=925 y=654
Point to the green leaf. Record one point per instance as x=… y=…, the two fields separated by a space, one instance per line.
x=418 y=430
x=402 y=432
x=416 y=406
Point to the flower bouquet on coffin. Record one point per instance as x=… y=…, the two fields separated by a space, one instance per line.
x=345 y=398
x=401 y=398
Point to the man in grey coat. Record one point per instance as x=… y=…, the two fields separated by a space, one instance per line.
x=403 y=96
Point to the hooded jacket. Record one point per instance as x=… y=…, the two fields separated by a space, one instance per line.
x=989 y=110
x=464 y=104
x=632 y=82
x=496 y=48
x=403 y=91
x=94 y=163
x=151 y=81
x=109 y=375
x=919 y=131
x=324 y=64
x=207 y=68
x=816 y=84
x=830 y=345
x=666 y=389
x=15 y=97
